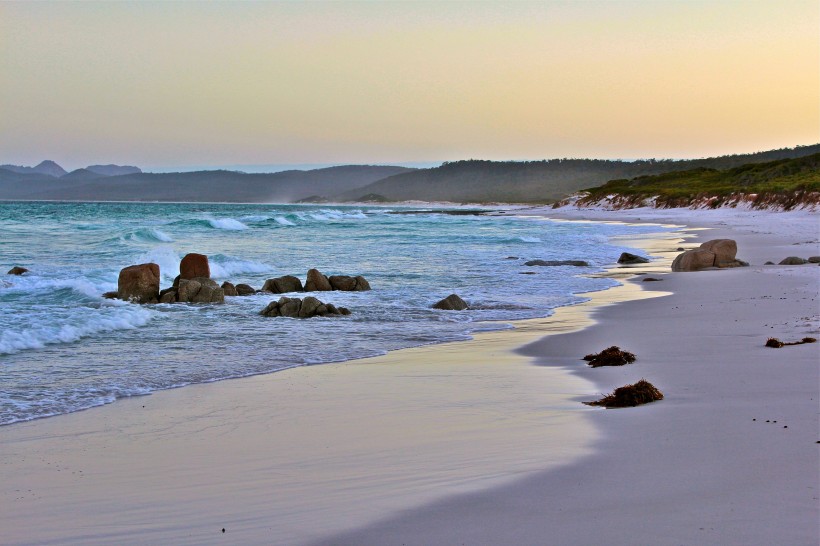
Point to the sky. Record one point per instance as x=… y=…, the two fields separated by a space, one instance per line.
x=174 y=85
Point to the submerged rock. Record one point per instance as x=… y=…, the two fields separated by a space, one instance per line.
x=451 y=303
x=553 y=263
x=17 y=270
x=301 y=308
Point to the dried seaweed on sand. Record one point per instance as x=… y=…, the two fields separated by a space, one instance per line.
x=613 y=356
x=627 y=396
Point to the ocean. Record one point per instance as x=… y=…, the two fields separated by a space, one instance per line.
x=64 y=348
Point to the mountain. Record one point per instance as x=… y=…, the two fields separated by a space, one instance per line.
x=480 y=181
x=47 y=168
x=113 y=170
x=201 y=186
x=784 y=183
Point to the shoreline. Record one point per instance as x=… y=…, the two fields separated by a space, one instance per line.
x=728 y=457
x=479 y=424
x=196 y=418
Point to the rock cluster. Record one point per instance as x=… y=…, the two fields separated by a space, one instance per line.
x=716 y=253
x=302 y=308
x=140 y=284
x=195 y=290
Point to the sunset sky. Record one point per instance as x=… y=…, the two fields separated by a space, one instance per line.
x=166 y=85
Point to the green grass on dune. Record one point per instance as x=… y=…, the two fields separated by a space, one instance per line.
x=781 y=177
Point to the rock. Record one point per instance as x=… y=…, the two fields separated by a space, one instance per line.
x=199 y=290
x=244 y=290
x=301 y=308
x=175 y=284
x=627 y=258
x=681 y=249
x=715 y=253
x=348 y=284
x=168 y=296
x=309 y=307
x=229 y=289
x=552 y=263
x=17 y=270
x=724 y=250
x=139 y=283
x=110 y=295
x=451 y=303
x=316 y=282
x=361 y=284
x=694 y=260
x=814 y=260
x=792 y=260
x=283 y=285
x=193 y=266
x=769 y=263
x=651 y=279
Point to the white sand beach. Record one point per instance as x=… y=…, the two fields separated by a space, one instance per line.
x=480 y=442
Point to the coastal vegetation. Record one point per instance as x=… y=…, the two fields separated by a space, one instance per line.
x=785 y=183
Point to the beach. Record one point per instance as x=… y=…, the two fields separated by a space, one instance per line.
x=470 y=442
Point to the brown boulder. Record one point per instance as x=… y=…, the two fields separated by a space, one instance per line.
x=283 y=285
x=792 y=260
x=168 y=296
x=229 y=289
x=451 y=303
x=199 y=290
x=139 y=283
x=317 y=282
x=193 y=266
x=17 y=270
x=724 y=250
x=244 y=290
x=693 y=260
x=361 y=284
x=342 y=282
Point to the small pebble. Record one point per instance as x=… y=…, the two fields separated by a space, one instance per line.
x=223 y=529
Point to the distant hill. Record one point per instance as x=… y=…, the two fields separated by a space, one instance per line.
x=479 y=181
x=47 y=168
x=113 y=170
x=202 y=186
x=784 y=183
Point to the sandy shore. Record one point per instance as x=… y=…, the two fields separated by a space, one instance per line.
x=470 y=442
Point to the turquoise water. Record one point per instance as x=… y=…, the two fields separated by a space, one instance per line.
x=64 y=348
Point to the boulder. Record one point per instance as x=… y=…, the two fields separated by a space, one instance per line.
x=110 y=295
x=229 y=289
x=552 y=263
x=724 y=250
x=342 y=282
x=200 y=290
x=301 y=308
x=283 y=285
x=694 y=260
x=193 y=266
x=139 y=283
x=17 y=270
x=168 y=296
x=451 y=303
x=361 y=284
x=792 y=260
x=317 y=282
x=814 y=260
x=628 y=259
x=244 y=290
x=348 y=284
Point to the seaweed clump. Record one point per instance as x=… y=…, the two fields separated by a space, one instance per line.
x=775 y=343
x=612 y=356
x=629 y=396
